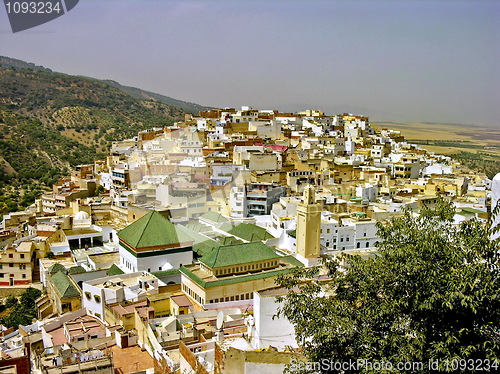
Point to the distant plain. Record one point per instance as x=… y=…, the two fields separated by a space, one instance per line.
x=446 y=138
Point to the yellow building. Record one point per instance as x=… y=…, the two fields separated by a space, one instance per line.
x=16 y=264
x=233 y=272
x=308 y=225
x=62 y=291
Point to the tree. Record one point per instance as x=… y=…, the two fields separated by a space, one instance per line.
x=23 y=312
x=99 y=190
x=11 y=301
x=431 y=293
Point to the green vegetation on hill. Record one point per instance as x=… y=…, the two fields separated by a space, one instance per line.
x=142 y=94
x=482 y=161
x=20 y=64
x=20 y=311
x=50 y=122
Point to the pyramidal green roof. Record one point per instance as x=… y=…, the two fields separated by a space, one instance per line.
x=55 y=268
x=114 y=270
x=151 y=230
x=214 y=217
x=247 y=231
x=236 y=254
x=64 y=286
x=76 y=270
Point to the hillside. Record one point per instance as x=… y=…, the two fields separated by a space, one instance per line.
x=142 y=94
x=9 y=62
x=136 y=93
x=476 y=147
x=50 y=122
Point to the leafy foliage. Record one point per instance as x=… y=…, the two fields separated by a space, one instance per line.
x=431 y=293
x=487 y=163
x=23 y=311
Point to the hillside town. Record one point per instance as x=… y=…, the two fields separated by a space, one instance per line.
x=163 y=257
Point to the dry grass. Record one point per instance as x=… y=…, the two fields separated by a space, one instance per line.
x=469 y=138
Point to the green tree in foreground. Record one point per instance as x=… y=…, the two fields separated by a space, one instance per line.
x=432 y=293
x=23 y=311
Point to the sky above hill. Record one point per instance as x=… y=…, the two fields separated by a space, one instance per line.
x=434 y=61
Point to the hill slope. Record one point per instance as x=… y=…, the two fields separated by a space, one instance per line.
x=136 y=93
x=142 y=94
x=51 y=121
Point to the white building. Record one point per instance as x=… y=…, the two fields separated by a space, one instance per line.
x=117 y=288
x=153 y=243
x=264 y=328
x=348 y=233
x=495 y=200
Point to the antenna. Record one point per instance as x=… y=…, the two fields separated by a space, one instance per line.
x=220 y=320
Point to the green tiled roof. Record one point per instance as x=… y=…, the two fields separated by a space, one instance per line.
x=232 y=280
x=76 y=270
x=293 y=261
x=204 y=248
x=114 y=270
x=198 y=227
x=151 y=230
x=64 y=286
x=55 y=268
x=214 y=217
x=468 y=210
x=229 y=240
x=247 y=231
x=236 y=254
x=165 y=272
x=242 y=278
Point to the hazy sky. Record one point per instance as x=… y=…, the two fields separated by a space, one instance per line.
x=434 y=61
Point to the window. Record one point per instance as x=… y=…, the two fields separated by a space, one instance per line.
x=97 y=298
x=1 y=275
x=87 y=295
x=24 y=276
x=22 y=255
x=11 y=265
x=11 y=255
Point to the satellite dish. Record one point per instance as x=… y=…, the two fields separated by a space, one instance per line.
x=220 y=320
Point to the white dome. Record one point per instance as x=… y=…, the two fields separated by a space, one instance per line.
x=497 y=177
x=81 y=215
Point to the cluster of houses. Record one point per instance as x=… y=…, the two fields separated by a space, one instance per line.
x=163 y=257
